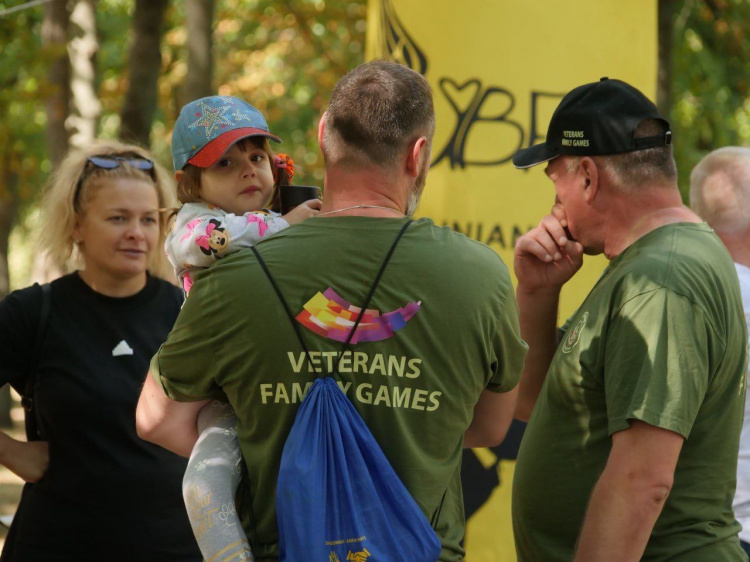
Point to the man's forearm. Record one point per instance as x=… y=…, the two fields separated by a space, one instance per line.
x=538 y=318
x=493 y=415
x=165 y=422
x=621 y=514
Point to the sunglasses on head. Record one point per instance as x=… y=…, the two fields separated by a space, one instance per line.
x=107 y=162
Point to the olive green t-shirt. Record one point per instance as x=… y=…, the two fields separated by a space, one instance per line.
x=443 y=327
x=661 y=339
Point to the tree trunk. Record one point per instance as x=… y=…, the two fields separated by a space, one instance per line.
x=667 y=10
x=57 y=104
x=82 y=49
x=199 y=17
x=144 y=65
x=54 y=40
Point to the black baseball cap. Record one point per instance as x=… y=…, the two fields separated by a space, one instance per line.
x=596 y=119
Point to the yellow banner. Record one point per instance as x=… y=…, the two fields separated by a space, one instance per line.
x=498 y=69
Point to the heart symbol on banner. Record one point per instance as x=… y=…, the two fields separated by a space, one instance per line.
x=456 y=93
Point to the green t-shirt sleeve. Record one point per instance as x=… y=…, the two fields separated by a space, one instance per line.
x=185 y=365
x=656 y=365
x=509 y=350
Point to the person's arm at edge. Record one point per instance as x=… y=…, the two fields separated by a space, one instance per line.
x=166 y=422
x=493 y=414
x=27 y=459
x=538 y=319
x=544 y=260
x=629 y=495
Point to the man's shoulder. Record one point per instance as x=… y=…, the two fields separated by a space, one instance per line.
x=667 y=248
x=422 y=231
x=686 y=259
x=471 y=269
x=457 y=244
x=699 y=253
x=428 y=247
x=243 y=259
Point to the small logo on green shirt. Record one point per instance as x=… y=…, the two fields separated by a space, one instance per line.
x=575 y=334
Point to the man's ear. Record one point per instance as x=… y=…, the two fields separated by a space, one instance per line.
x=178 y=175
x=321 y=129
x=590 y=176
x=417 y=154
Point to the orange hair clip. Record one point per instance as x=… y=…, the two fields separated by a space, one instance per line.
x=285 y=162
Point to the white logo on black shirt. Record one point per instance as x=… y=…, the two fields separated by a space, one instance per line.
x=122 y=348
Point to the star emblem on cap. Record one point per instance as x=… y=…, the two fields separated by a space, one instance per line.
x=211 y=118
x=239 y=115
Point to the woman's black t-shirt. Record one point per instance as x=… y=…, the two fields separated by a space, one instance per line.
x=107 y=495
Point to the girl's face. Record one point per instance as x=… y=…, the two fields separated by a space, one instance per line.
x=117 y=234
x=241 y=181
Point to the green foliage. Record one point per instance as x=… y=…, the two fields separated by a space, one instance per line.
x=113 y=22
x=283 y=57
x=710 y=80
x=296 y=53
x=23 y=86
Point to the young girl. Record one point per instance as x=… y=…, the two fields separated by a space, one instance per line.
x=226 y=175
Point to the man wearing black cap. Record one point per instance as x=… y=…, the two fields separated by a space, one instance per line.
x=632 y=446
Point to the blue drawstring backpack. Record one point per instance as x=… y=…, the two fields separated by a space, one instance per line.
x=338 y=498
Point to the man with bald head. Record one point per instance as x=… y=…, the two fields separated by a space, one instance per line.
x=720 y=193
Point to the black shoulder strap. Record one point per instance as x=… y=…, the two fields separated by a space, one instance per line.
x=436 y=515
x=33 y=426
x=289 y=314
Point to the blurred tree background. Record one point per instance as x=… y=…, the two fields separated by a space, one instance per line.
x=147 y=58
x=708 y=102
x=71 y=70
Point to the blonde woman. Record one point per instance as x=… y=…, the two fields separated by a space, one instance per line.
x=95 y=490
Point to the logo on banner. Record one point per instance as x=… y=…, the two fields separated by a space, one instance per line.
x=468 y=100
x=397 y=44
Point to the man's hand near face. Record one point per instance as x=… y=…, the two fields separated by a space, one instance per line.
x=545 y=259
